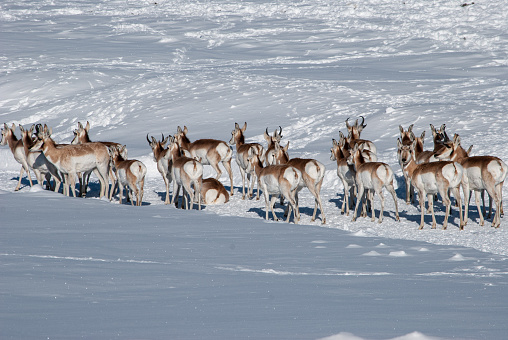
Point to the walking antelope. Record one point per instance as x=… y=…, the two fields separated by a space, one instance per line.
x=16 y=146
x=210 y=151
x=346 y=173
x=81 y=136
x=432 y=178
x=242 y=151
x=406 y=138
x=213 y=192
x=186 y=172
x=276 y=180
x=272 y=140
x=130 y=174
x=480 y=173
x=161 y=156
x=354 y=132
x=372 y=176
x=72 y=159
x=36 y=160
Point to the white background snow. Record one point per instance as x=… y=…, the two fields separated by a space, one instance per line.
x=87 y=268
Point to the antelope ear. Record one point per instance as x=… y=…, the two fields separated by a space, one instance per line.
x=21 y=128
x=334 y=142
x=410 y=128
x=401 y=129
x=286 y=147
x=87 y=127
x=80 y=126
x=422 y=136
x=244 y=127
x=399 y=143
x=237 y=127
x=13 y=127
x=179 y=129
x=185 y=130
x=266 y=135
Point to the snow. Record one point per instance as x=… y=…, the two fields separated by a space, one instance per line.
x=94 y=269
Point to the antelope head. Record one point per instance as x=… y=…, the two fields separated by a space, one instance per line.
x=237 y=136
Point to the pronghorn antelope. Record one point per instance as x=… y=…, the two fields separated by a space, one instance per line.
x=440 y=137
x=72 y=159
x=186 y=172
x=346 y=173
x=36 y=160
x=130 y=174
x=81 y=136
x=276 y=180
x=422 y=155
x=242 y=151
x=313 y=173
x=354 y=132
x=16 y=146
x=213 y=192
x=272 y=140
x=372 y=176
x=161 y=156
x=406 y=138
x=210 y=151
x=432 y=178
x=480 y=173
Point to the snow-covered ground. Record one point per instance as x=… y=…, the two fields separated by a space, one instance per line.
x=88 y=268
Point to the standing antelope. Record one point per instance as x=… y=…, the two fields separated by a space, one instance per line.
x=372 y=176
x=346 y=173
x=354 y=132
x=213 y=192
x=406 y=138
x=71 y=159
x=16 y=146
x=480 y=173
x=210 y=151
x=423 y=156
x=272 y=140
x=81 y=136
x=186 y=172
x=161 y=156
x=242 y=151
x=276 y=180
x=312 y=172
x=432 y=178
x=130 y=174
x=36 y=160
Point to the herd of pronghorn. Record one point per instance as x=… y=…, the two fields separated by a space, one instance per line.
x=445 y=168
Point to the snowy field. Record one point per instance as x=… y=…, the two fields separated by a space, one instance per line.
x=89 y=268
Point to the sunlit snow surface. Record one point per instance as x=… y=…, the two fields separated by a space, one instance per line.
x=87 y=268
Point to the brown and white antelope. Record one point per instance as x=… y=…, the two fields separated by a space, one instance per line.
x=186 y=172
x=213 y=192
x=432 y=178
x=480 y=173
x=42 y=168
x=72 y=159
x=373 y=177
x=440 y=137
x=271 y=141
x=242 y=151
x=346 y=173
x=277 y=180
x=130 y=174
x=161 y=156
x=422 y=155
x=16 y=146
x=406 y=138
x=353 y=137
x=82 y=136
x=210 y=151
